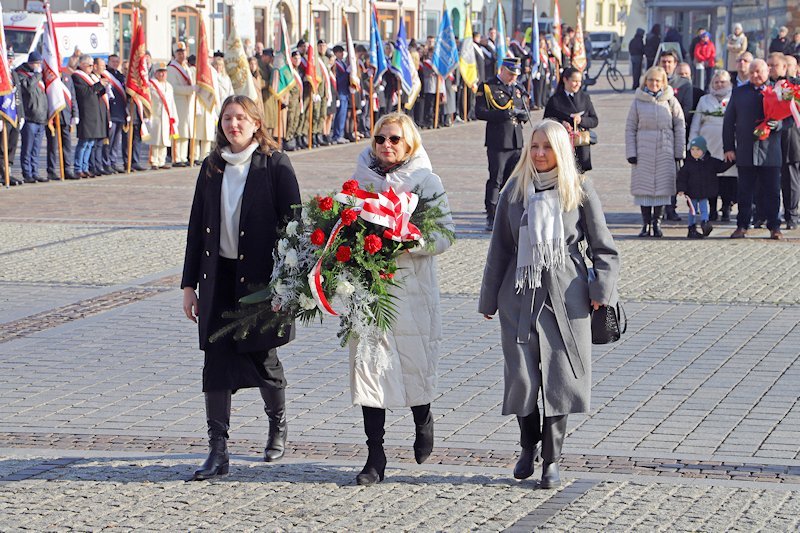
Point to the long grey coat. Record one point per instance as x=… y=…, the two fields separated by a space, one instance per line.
x=655 y=134
x=566 y=368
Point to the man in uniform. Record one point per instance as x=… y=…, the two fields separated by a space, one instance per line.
x=118 y=108
x=11 y=129
x=34 y=103
x=69 y=117
x=501 y=104
x=294 y=112
x=181 y=77
x=324 y=93
x=163 y=122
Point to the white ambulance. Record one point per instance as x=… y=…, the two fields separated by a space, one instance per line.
x=87 y=31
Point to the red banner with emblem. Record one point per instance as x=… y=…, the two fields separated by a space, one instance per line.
x=138 y=81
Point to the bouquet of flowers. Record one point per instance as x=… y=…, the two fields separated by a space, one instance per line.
x=718 y=112
x=340 y=259
x=780 y=102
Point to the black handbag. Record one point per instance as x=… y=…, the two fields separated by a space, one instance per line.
x=608 y=324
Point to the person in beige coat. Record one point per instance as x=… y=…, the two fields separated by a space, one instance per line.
x=163 y=121
x=655 y=137
x=181 y=76
x=401 y=370
x=737 y=44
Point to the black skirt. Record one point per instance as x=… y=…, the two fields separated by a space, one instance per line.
x=225 y=367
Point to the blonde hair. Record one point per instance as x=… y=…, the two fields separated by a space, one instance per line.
x=570 y=180
x=657 y=71
x=410 y=132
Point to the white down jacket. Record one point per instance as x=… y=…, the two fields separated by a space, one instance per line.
x=412 y=345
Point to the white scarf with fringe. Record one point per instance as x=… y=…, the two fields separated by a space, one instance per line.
x=541 y=234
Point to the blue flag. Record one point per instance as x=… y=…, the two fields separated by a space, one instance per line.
x=445 y=53
x=534 y=39
x=377 y=55
x=500 y=43
x=8 y=107
x=402 y=64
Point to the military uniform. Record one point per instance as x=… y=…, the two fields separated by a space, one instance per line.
x=294 y=110
x=503 y=108
x=321 y=107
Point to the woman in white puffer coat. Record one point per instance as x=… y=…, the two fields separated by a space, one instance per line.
x=396 y=159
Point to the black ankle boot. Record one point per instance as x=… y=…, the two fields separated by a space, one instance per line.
x=218 y=414
x=423 y=444
x=645 y=230
x=374 y=419
x=275 y=407
x=647 y=215
x=657 y=227
x=530 y=440
x=554 y=429
x=550 y=476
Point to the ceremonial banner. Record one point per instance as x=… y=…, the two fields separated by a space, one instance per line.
x=137 y=82
x=58 y=96
x=535 y=59
x=205 y=78
x=377 y=54
x=467 y=62
x=352 y=60
x=283 y=75
x=237 y=68
x=311 y=52
x=403 y=65
x=445 y=52
x=557 y=32
x=5 y=69
x=578 y=49
x=500 y=44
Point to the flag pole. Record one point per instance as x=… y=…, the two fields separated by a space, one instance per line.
x=6 y=170
x=371 y=109
x=355 y=116
x=60 y=145
x=436 y=106
x=279 y=123
x=194 y=134
x=311 y=82
x=464 y=97
x=130 y=139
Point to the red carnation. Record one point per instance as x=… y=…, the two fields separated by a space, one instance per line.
x=343 y=254
x=325 y=203
x=386 y=275
x=350 y=187
x=372 y=244
x=318 y=237
x=349 y=216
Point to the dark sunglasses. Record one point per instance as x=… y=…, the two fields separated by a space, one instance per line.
x=394 y=139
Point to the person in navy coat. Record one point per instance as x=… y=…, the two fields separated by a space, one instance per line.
x=758 y=162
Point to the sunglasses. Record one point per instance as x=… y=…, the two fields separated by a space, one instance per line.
x=394 y=139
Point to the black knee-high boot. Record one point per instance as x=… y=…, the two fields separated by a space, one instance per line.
x=658 y=213
x=374 y=420
x=275 y=407
x=647 y=215
x=423 y=420
x=553 y=431
x=218 y=416
x=530 y=439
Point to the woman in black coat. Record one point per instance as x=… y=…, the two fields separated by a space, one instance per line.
x=569 y=105
x=245 y=191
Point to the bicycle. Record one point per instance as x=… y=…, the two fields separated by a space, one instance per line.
x=613 y=75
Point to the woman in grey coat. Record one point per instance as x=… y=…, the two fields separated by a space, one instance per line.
x=655 y=140
x=537 y=279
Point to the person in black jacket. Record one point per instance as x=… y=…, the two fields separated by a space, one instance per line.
x=651 y=44
x=90 y=91
x=573 y=107
x=779 y=43
x=698 y=180
x=501 y=104
x=636 y=49
x=34 y=103
x=67 y=116
x=245 y=190
x=12 y=128
x=113 y=159
x=790 y=174
x=758 y=162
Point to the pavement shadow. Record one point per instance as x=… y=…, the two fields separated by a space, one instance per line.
x=180 y=467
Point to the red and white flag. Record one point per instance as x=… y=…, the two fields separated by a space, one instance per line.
x=557 y=37
x=58 y=96
x=578 y=47
x=5 y=69
x=205 y=78
x=352 y=61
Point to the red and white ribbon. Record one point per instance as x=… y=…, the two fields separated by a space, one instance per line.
x=315 y=276
x=690 y=204
x=389 y=209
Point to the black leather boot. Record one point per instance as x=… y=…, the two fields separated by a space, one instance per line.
x=218 y=415
x=647 y=214
x=373 y=471
x=656 y=222
x=530 y=439
x=423 y=444
x=553 y=431
x=275 y=407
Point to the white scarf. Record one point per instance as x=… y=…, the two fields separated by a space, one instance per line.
x=233 y=181
x=541 y=233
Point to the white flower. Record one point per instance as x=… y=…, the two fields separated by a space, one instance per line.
x=344 y=288
x=291 y=228
x=283 y=246
x=290 y=258
x=306 y=302
x=281 y=289
x=305 y=217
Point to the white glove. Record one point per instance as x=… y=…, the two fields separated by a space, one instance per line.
x=75 y=121
x=148 y=123
x=363 y=103
x=128 y=118
x=316 y=98
x=1 y=126
x=21 y=123
x=381 y=88
x=338 y=103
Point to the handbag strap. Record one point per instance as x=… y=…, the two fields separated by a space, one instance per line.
x=622 y=318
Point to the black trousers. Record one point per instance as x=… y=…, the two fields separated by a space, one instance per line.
x=137 y=144
x=501 y=163
x=762 y=184
x=430 y=107
x=53 y=167
x=13 y=139
x=636 y=70
x=790 y=188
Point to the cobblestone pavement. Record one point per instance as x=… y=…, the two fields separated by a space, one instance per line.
x=695 y=419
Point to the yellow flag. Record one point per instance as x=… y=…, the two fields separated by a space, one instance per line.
x=467 y=63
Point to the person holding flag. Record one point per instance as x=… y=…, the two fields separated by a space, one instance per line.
x=324 y=91
x=69 y=118
x=182 y=78
x=58 y=99
x=206 y=105
x=11 y=110
x=137 y=87
x=120 y=118
x=342 y=73
x=164 y=122
x=403 y=65
x=34 y=103
x=445 y=57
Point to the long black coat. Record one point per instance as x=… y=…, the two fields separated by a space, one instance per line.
x=269 y=193
x=502 y=133
x=91 y=109
x=744 y=112
x=560 y=107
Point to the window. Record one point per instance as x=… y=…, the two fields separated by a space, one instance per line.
x=431 y=23
x=612 y=14
x=387 y=22
x=282 y=9
x=321 y=23
x=598 y=14
x=260 y=17
x=123 y=28
x=183 y=27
